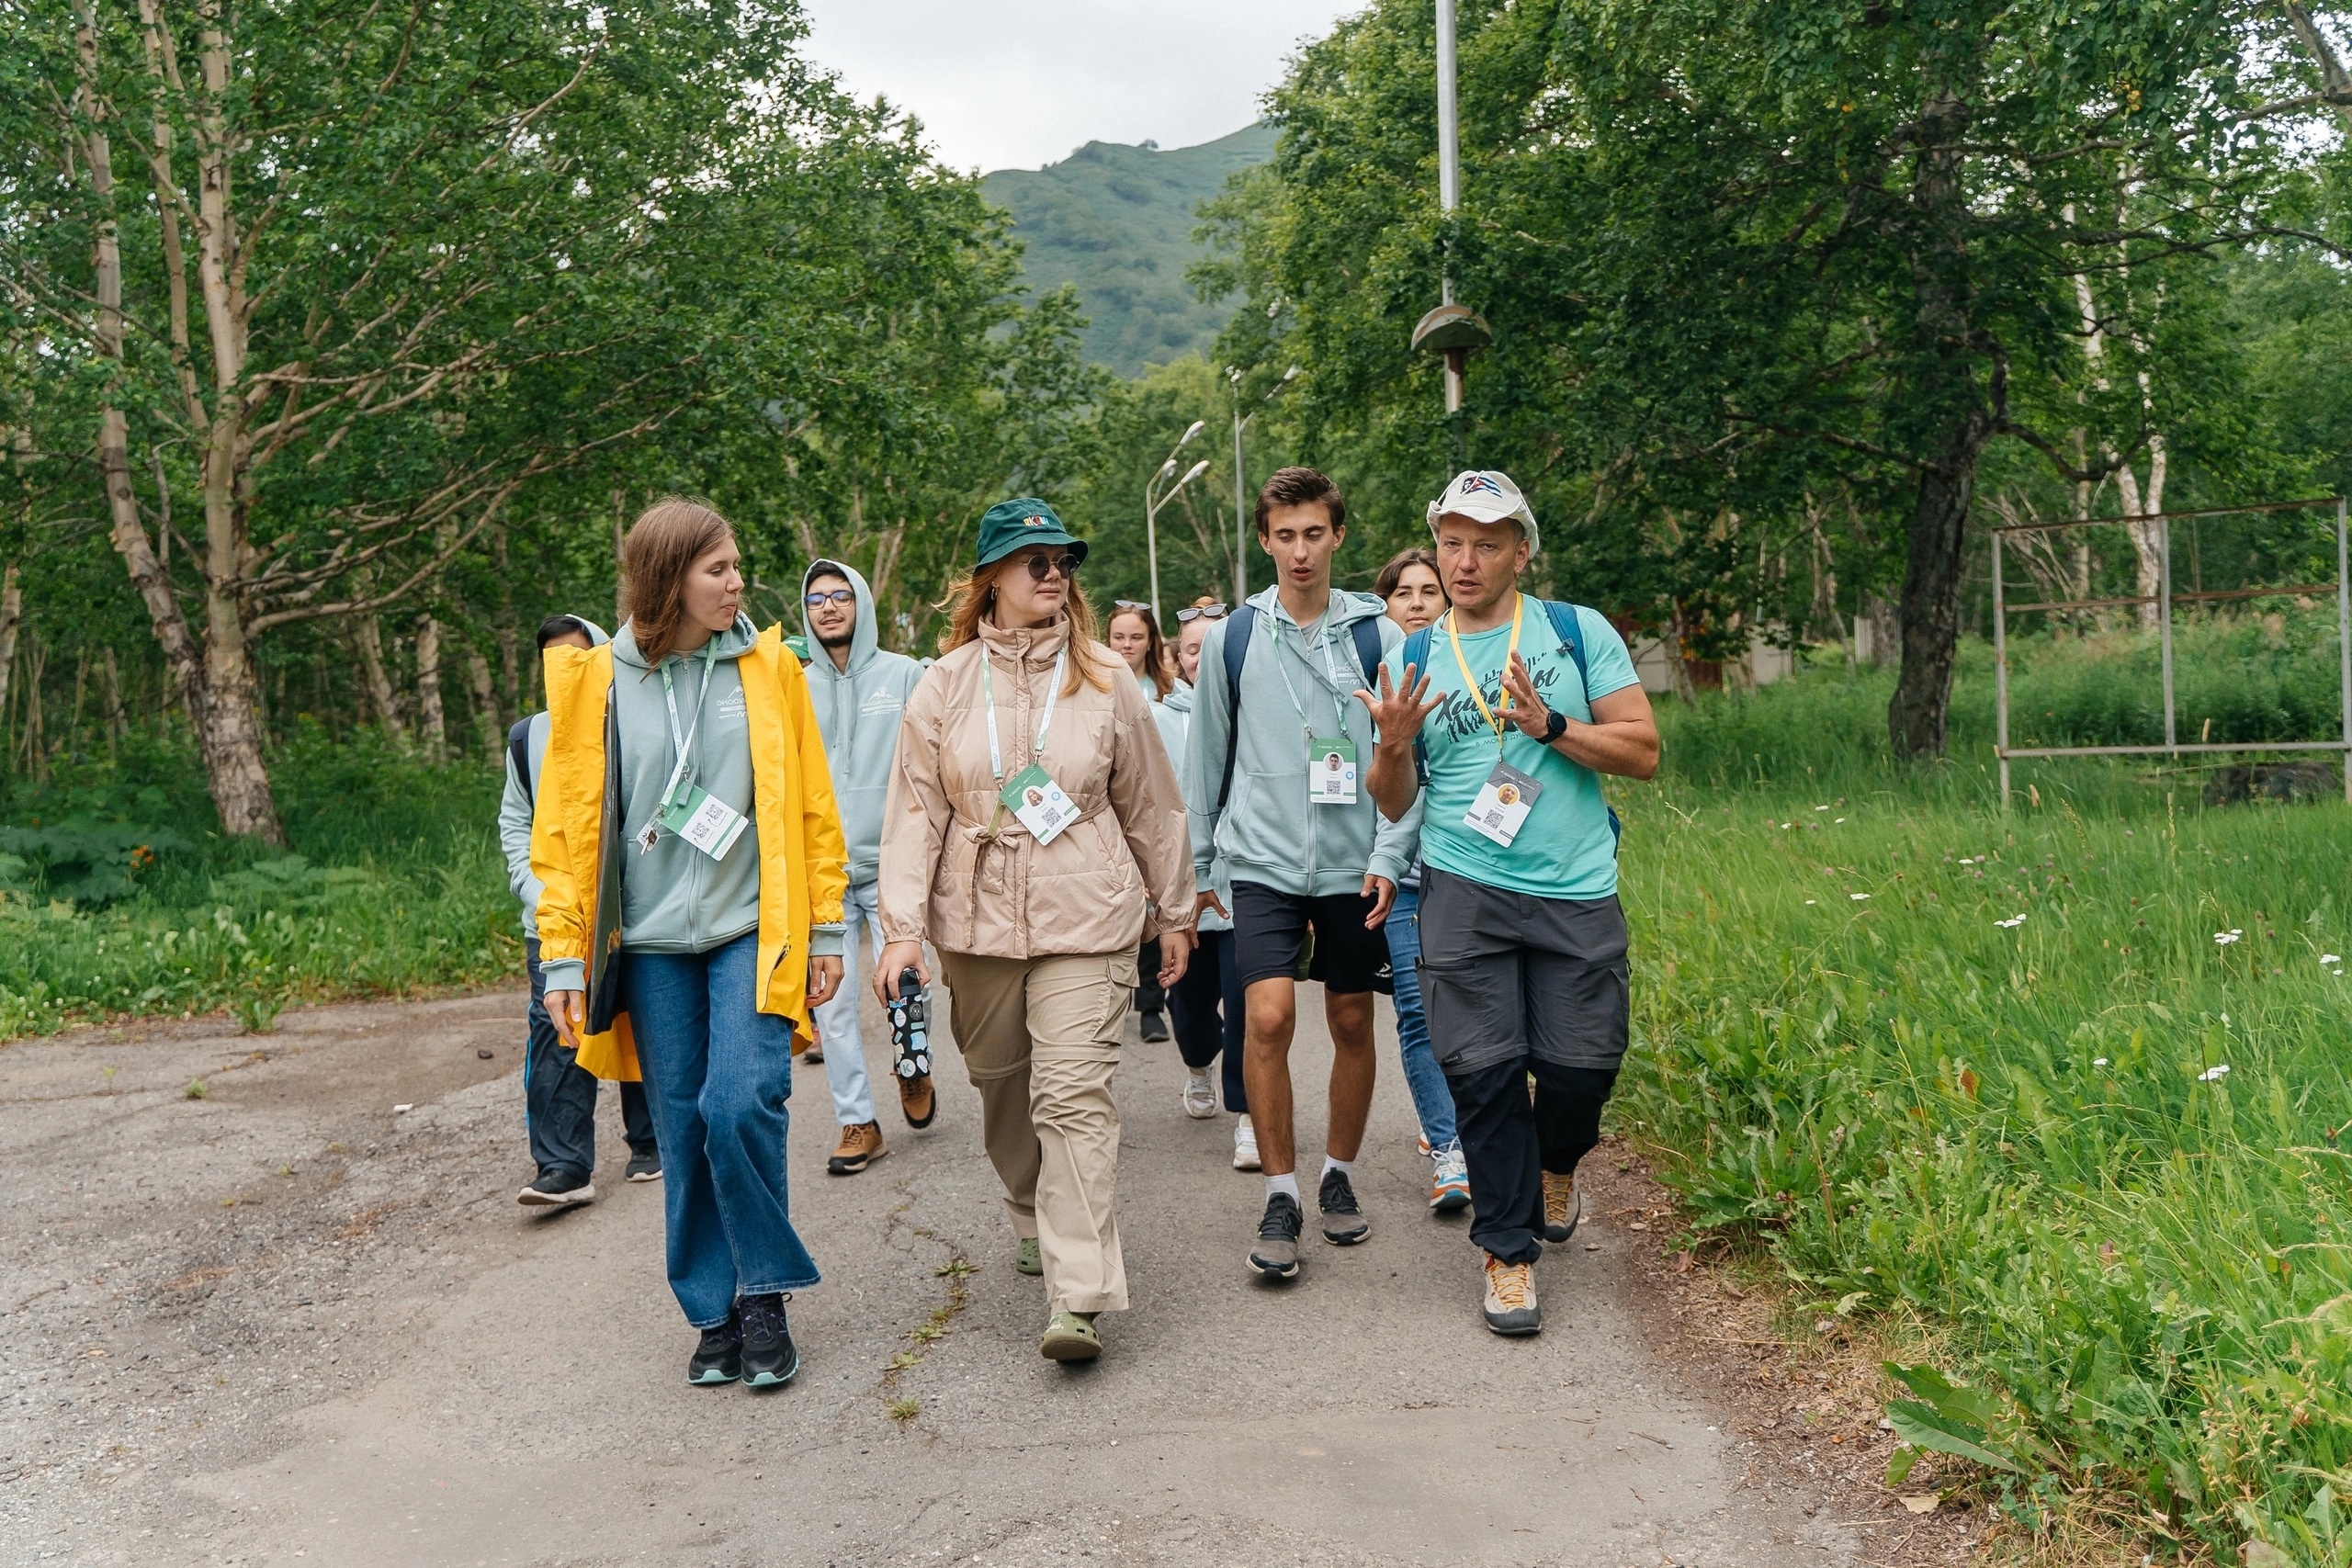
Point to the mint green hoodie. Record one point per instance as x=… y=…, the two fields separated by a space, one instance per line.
x=857 y=713
x=1268 y=832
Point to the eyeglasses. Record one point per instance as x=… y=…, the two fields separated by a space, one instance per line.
x=1041 y=566
x=830 y=596
x=1200 y=612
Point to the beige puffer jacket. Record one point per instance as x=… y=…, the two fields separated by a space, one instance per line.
x=946 y=877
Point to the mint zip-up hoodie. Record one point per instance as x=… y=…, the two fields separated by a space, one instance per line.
x=675 y=898
x=1173 y=713
x=857 y=712
x=1268 y=832
x=515 y=805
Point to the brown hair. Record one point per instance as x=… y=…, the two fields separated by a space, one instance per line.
x=1394 y=572
x=667 y=537
x=1155 y=649
x=973 y=594
x=1300 y=487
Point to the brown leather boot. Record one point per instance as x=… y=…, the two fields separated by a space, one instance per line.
x=860 y=1147
x=919 y=1099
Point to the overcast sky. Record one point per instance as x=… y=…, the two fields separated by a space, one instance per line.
x=1019 y=84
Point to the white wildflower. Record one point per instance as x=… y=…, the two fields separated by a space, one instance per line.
x=2224 y=939
x=2099 y=1061
x=2011 y=923
x=2330 y=958
x=2214 y=1074
x=1858 y=898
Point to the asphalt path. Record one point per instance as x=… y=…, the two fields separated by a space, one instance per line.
x=284 y=1322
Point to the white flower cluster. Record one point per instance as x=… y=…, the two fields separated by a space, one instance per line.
x=2214 y=1074
x=2011 y=923
x=2224 y=939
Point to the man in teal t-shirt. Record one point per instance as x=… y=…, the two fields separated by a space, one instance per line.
x=1522 y=941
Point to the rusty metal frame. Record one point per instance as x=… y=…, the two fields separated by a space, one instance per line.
x=2167 y=598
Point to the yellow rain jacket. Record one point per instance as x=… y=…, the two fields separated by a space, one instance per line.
x=803 y=865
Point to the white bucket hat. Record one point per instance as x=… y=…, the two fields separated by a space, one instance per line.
x=1486 y=495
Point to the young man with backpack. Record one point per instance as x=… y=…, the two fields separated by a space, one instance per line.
x=1495 y=724
x=1271 y=779
x=559 y=1096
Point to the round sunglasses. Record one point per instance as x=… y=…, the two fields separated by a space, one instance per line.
x=1041 y=566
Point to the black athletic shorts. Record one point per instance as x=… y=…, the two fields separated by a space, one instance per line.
x=1270 y=931
x=1505 y=976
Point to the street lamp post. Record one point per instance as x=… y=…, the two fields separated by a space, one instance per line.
x=1241 y=479
x=1453 y=330
x=1151 y=506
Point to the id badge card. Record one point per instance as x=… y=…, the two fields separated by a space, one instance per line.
x=1501 y=811
x=704 y=820
x=1332 y=771
x=1039 y=803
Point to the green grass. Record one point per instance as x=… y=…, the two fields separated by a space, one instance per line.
x=2022 y=1134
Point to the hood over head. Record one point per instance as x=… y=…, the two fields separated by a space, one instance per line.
x=865 y=637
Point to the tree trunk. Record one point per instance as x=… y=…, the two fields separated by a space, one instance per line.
x=431 y=728
x=1921 y=709
x=368 y=635
x=12 y=617
x=115 y=723
x=486 y=715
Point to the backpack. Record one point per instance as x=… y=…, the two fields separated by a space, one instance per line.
x=518 y=753
x=1240 y=631
x=1563 y=623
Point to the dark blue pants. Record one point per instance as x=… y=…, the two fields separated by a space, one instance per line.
x=560 y=1100
x=719 y=1071
x=1211 y=980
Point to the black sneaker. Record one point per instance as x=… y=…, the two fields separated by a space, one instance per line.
x=719 y=1358
x=769 y=1360
x=556 y=1190
x=1276 y=1254
x=1343 y=1220
x=1155 y=1028
x=646 y=1166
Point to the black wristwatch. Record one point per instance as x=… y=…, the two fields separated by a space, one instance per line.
x=1554 y=726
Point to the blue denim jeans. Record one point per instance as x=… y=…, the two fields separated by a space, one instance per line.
x=1432 y=1100
x=719 y=1072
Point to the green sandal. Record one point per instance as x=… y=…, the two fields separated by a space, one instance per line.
x=1026 y=1258
x=1070 y=1337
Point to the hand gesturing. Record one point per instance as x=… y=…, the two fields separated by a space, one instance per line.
x=1397 y=712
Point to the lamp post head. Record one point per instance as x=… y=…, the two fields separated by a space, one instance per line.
x=1291 y=372
x=1196 y=471
x=1168 y=468
x=1193 y=429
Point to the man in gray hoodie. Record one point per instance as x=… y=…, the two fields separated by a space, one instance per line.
x=858 y=690
x=1272 y=786
x=559 y=1099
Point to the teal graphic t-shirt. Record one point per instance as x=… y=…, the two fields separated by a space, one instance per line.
x=1564 y=850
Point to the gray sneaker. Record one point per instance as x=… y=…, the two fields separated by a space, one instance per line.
x=1343 y=1220
x=1275 y=1255
x=1510 y=1307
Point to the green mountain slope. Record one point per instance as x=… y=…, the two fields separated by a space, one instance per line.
x=1118 y=221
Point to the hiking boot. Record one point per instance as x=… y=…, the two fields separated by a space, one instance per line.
x=1200 y=1094
x=556 y=1190
x=646 y=1166
x=1155 y=1028
x=1245 y=1145
x=1563 y=1206
x=1027 y=1258
x=719 y=1358
x=1510 y=1306
x=1448 y=1180
x=919 y=1099
x=1070 y=1337
x=1343 y=1220
x=769 y=1358
x=1276 y=1253
x=860 y=1147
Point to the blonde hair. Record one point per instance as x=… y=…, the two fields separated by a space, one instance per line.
x=667 y=537
x=972 y=595
x=1155 y=650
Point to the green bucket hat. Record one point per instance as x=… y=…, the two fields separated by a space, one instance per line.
x=1023 y=519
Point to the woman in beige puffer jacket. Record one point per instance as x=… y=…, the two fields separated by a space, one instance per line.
x=1037 y=940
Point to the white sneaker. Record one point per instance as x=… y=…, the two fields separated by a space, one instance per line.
x=1200 y=1094
x=1245 y=1146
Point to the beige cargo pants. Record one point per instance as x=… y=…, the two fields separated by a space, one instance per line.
x=1040 y=1040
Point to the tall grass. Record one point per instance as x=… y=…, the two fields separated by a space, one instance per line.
x=2069 y=1081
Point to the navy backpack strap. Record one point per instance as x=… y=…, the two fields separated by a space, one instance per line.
x=518 y=752
x=1417 y=660
x=1367 y=635
x=1564 y=621
x=1240 y=627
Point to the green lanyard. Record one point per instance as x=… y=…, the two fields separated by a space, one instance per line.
x=1338 y=708
x=683 y=743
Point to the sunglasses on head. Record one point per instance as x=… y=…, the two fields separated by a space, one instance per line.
x=1040 y=567
x=1131 y=604
x=830 y=596
x=1200 y=612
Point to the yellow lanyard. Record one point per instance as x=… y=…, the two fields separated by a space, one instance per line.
x=1517 y=614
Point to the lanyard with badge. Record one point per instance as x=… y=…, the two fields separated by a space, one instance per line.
x=1030 y=794
x=1330 y=759
x=1501 y=811
x=701 y=818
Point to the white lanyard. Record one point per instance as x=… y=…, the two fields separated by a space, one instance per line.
x=683 y=743
x=1338 y=709
x=987 y=692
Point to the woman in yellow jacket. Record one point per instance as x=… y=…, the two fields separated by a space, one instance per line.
x=686 y=834
x=1034 y=833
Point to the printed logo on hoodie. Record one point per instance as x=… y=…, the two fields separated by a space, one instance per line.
x=881 y=699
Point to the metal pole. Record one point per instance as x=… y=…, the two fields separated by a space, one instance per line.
x=2163 y=593
x=1151 y=538
x=1241 y=511
x=2344 y=642
x=2000 y=673
x=1449 y=172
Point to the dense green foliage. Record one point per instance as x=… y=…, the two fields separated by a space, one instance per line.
x=1117 y=224
x=2065 y=1083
